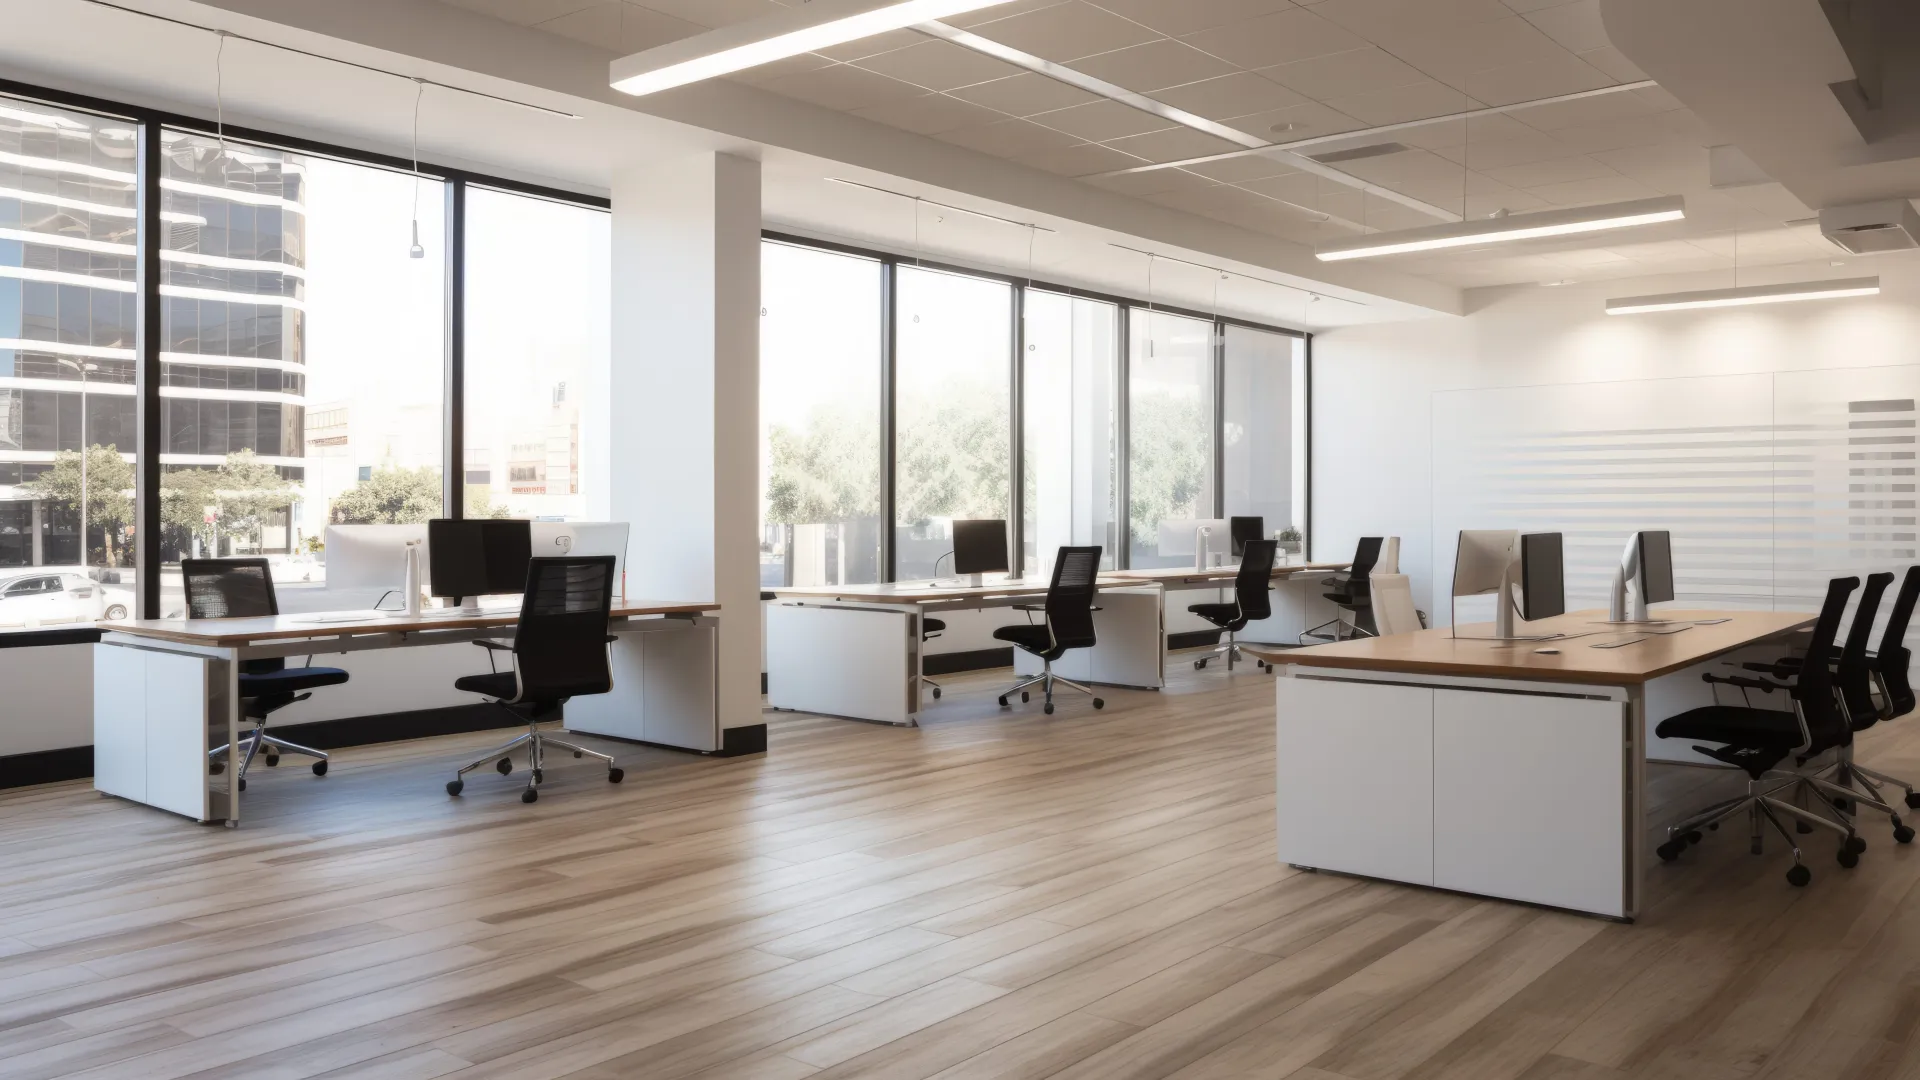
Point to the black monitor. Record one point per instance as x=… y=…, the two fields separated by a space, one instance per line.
x=980 y=547
x=1245 y=529
x=1543 y=592
x=478 y=558
x=1656 y=566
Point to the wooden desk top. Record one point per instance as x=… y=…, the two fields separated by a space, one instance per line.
x=1171 y=574
x=1437 y=652
x=222 y=633
x=930 y=592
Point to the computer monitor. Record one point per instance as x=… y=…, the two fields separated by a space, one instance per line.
x=555 y=538
x=980 y=547
x=1177 y=537
x=1245 y=529
x=1483 y=563
x=1543 y=592
x=472 y=559
x=1646 y=567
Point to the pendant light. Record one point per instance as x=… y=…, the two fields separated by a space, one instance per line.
x=417 y=251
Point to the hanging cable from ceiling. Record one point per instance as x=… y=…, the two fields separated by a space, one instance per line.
x=419 y=91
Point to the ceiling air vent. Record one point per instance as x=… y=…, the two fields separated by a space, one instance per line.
x=1357 y=152
x=1872 y=228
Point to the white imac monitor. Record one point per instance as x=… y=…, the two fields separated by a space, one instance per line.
x=1181 y=536
x=553 y=538
x=1646 y=569
x=1483 y=564
x=370 y=556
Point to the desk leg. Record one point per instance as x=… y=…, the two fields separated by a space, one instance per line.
x=1634 y=742
x=223 y=705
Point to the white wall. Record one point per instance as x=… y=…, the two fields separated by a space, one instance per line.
x=1373 y=386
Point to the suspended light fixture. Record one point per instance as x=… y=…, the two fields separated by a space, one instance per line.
x=1509 y=227
x=417 y=251
x=1751 y=294
x=803 y=28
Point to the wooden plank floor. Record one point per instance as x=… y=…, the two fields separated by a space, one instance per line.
x=994 y=896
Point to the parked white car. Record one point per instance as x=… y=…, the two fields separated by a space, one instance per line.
x=40 y=597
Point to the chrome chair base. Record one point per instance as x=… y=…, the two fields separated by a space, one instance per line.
x=536 y=742
x=1046 y=680
x=1353 y=629
x=1762 y=805
x=1231 y=650
x=1851 y=786
x=251 y=744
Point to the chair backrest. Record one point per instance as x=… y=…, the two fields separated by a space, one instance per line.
x=1253 y=586
x=1890 y=663
x=1393 y=610
x=1070 y=596
x=1365 y=556
x=228 y=588
x=560 y=646
x=1389 y=560
x=1853 y=674
x=1814 y=690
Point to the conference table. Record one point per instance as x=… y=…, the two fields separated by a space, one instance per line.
x=1493 y=767
x=166 y=691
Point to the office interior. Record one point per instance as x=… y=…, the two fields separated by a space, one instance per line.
x=1328 y=539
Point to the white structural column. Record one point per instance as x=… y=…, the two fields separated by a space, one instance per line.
x=684 y=398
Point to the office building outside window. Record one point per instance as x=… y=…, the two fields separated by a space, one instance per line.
x=538 y=345
x=1169 y=435
x=952 y=452
x=67 y=322
x=819 y=417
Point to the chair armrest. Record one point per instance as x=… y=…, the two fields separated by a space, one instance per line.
x=498 y=646
x=611 y=639
x=1748 y=684
x=1029 y=607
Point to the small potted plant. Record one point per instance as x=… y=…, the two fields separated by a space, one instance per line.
x=1289 y=538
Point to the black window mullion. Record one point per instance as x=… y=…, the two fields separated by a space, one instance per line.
x=1219 y=345
x=1122 y=438
x=146 y=372
x=1017 y=444
x=889 y=339
x=453 y=473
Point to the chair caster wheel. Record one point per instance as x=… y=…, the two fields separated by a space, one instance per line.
x=529 y=795
x=243 y=783
x=319 y=768
x=1715 y=827
x=936 y=693
x=1843 y=805
x=1802 y=827
x=1099 y=703
x=1848 y=858
x=1047 y=708
x=539 y=777
x=273 y=760
x=1023 y=697
x=1855 y=844
x=576 y=753
x=503 y=766
x=1913 y=801
x=1669 y=851
x=614 y=776
x=217 y=768
x=1904 y=834
x=1199 y=665
x=1003 y=701
x=455 y=787
x=1799 y=876
x=1694 y=837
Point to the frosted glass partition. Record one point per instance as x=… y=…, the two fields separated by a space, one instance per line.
x=1770 y=483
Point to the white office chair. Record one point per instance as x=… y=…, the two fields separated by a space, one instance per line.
x=1389 y=562
x=1393 y=610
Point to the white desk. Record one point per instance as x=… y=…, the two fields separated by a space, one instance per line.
x=1491 y=768
x=165 y=691
x=1299 y=598
x=855 y=650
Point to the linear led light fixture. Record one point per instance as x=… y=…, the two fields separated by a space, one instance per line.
x=803 y=28
x=1512 y=227
x=1752 y=294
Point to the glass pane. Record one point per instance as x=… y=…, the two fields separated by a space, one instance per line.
x=819 y=417
x=305 y=353
x=1069 y=398
x=67 y=447
x=952 y=372
x=1169 y=435
x=1264 y=431
x=539 y=299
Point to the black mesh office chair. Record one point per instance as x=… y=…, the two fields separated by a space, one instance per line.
x=1252 y=599
x=1757 y=741
x=1069 y=623
x=929 y=629
x=559 y=651
x=243 y=589
x=1352 y=594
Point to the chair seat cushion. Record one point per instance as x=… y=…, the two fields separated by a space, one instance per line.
x=932 y=626
x=500 y=684
x=289 y=681
x=1734 y=725
x=1034 y=639
x=1217 y=614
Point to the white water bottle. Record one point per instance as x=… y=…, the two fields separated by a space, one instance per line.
x=413 y=579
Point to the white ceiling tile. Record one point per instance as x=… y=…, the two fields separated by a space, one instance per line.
x=1154 y=66
x=929 y=114
x=1102 y=120
x=1152 y=183
x=1549 y=171
x=526 y=12
x=1025 y=94
x=1454 y=54
x=1067 y=31
x=843 y=87
x=1687 y=125
x=1308 y=121
x=1234 y=170
x=1564 y=74
x=1672 y=168
x=1009 y=139
x=873 y=46
x=1360 y=71
x=1659 y=98
x=621 y=28
x=1524 y=6
x=1414 y=101
x=939 y=65
x=1480 y=129
x=1278 y=38
x=1502 y=153
x=1614 y=63
x=1173 y=144
x=1389 y=22
x=982 y=16
x=1593 y=110
x=1176 y=17
x=1600 y=189
x=1239 y=94
x=1617 y=134
x=1574 y=26
x=714 y=13
x=1080 y=160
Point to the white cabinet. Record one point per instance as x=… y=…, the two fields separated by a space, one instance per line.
x=1355 y=769
x=151 y=712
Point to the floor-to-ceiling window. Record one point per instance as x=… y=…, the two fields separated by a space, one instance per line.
x=537 y=345
x=1263 y=428
x=820 y=452
x=67 y=326
x=302 y=354
x=952 y=391
x=1070 y=402
x=1170 y=431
